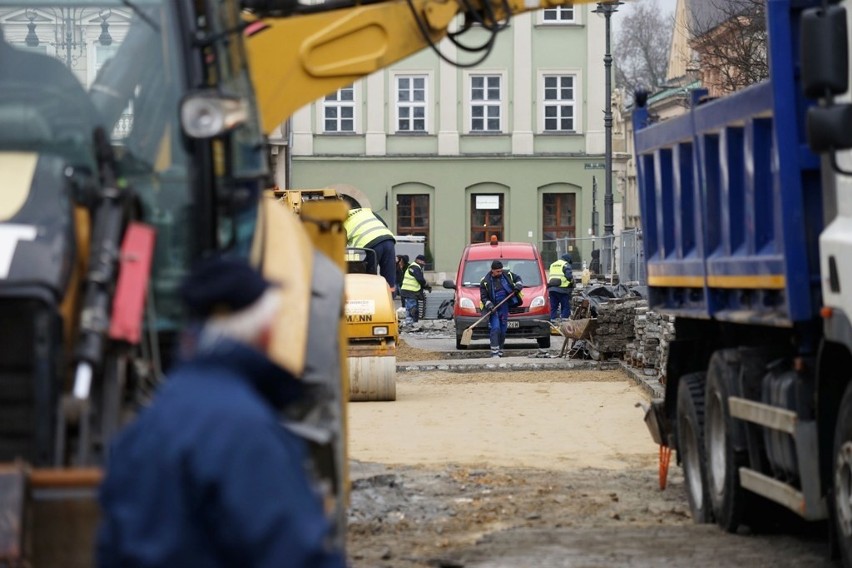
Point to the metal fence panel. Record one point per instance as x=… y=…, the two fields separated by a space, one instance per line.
x=625 y=263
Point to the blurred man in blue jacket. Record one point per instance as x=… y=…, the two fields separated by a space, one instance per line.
x=207 y=475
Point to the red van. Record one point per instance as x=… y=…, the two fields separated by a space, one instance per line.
x=522 y=259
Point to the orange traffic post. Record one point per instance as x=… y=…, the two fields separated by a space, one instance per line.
x=665 y=458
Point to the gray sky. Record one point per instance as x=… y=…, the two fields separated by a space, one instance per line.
x=666 y=6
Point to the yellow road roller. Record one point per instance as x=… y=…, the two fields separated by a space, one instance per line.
x=372 y=329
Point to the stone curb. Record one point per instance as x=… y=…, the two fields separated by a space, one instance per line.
x=650 y=384
x=510 y=363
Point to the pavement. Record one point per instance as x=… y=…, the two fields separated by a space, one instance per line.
x=521 y=355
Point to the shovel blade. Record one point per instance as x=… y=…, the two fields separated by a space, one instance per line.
x=467 y=335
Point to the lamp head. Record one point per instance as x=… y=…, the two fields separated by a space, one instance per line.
x=105 y=39
x=31 y=39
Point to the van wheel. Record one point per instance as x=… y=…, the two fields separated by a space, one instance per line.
x=543 y=342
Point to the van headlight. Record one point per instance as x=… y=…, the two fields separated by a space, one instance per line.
x=537 y=302
x=466 y=304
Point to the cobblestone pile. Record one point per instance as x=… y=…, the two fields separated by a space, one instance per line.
x=653 y=332
x=625 y=329
x=615 y=328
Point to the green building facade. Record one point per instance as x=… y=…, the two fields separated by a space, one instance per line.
x=509 y=148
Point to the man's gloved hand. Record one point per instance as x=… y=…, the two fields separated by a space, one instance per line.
x=489 y=306
x=428 y=289
x=518 y=286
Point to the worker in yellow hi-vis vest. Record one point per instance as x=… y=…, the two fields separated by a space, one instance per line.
x=365 y=229
x=560 y=285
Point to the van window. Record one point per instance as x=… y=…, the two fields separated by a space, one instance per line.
x=527 y=269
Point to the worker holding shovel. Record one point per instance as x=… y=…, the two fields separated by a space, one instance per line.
x=494 y=289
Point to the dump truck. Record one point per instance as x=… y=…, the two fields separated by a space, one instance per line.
x=132 y=143
x=747 y=235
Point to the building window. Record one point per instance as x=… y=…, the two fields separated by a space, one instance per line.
x=558 y=221
x=486 y=217
x=339 y=111
x=485 y=103
x=412 y=216
x=559 y=103
x=124 y=124
x=104 y=53
x=559 y=15
x=411 y=103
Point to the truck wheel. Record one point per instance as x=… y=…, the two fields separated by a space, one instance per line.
x=543 y=342
x=690 y=445
x=842 y=478
x=723 y=459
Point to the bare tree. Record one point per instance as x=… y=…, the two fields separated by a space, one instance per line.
x=729 y=38
x=641 y=49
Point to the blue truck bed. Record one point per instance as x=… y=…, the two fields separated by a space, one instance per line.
x=731 y=201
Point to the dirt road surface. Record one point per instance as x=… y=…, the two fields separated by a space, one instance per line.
x=544 y=469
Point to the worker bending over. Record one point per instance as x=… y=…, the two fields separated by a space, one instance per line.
x=364 y=229
x=413 y=286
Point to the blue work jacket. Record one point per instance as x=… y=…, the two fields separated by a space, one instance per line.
x=207 y=476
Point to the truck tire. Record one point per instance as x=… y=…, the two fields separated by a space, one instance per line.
x=543 y=342
x=841 y=501
x=723 y=459
x=690 y=445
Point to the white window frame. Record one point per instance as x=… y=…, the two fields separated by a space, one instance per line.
x=97 y=51
x=335 y=103
x=561 y=14
x=499 y=104
x=399 y=105
x=576 y=103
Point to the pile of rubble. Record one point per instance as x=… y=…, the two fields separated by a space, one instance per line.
x=615 y=327
x=624 y=329
x=430 y=327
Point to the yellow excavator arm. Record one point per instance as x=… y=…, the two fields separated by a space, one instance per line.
x=299 y=58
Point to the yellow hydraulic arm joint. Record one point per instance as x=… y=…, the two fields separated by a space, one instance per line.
x=300 y=58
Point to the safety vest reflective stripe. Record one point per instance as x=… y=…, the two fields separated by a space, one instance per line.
x=556 y=271
x=362 y=227
x=409 y=282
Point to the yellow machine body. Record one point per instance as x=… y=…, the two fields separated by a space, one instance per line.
x=372 y=331
x=370 y=325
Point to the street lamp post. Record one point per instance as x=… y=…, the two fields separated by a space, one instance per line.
x=594 y=205
x=608 y=8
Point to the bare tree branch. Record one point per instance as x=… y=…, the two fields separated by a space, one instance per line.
x=729 y=37
x=641 y=48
